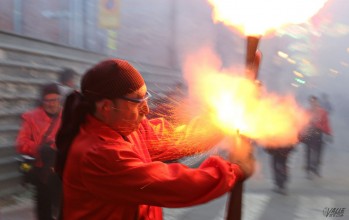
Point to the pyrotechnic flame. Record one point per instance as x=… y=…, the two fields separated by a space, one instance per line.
x=256 y=17
x=237 y=104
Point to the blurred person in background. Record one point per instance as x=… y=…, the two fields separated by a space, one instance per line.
x=36 y=139
x=280 y=171
x=110 y=155
x=66 y=81
x=312 y=137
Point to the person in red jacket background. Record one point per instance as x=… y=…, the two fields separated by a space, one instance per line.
x=36 y=138
x=110 y=155
x=318 y=127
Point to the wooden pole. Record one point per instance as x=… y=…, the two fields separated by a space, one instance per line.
x=235 y=199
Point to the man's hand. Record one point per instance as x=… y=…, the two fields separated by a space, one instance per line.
x=242 y=155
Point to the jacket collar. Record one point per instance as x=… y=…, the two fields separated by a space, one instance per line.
x=45 y=116
x=103 y=131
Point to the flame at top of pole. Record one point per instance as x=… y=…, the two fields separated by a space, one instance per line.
x=257 y=17
x=237 y=104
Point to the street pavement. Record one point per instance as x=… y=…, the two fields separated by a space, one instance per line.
x=306 y=199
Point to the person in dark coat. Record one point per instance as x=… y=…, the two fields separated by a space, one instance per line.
x=279 y=158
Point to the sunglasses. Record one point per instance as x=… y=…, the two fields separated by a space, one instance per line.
x=135 y=100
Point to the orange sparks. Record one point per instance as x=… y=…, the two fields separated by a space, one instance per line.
x=256 y=17
x=238 y=105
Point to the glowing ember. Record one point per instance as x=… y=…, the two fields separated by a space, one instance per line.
x=256 y=17
x=238 y=105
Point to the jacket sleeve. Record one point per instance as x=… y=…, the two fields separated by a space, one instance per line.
x=25 y=143
x=166 y=142
x=122 y=176
x=325 y=124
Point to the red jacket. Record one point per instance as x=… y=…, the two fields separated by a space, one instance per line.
x=319 y=120
x=110 y=177
x=35 y=125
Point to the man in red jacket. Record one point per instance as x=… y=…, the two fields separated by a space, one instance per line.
x=36 y=138
x=318 y=126
x=110 y=155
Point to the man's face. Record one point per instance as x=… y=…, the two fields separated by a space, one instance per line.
x=52 y=103
x=126 y=115
x=313 y=103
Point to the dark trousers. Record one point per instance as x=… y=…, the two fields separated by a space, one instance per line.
x=48 y=196
x=279 y=167
x=313 y=152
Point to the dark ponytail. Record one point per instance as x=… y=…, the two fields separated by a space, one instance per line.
x=74 y=113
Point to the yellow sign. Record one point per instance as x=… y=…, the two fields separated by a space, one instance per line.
x=109 y=13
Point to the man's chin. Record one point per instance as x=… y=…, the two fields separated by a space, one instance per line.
x=133 y=128
x=137 y=125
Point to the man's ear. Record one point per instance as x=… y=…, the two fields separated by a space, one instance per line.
x=105 y=105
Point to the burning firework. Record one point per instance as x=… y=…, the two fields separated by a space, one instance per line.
x=253 y=17
x=237 y=104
